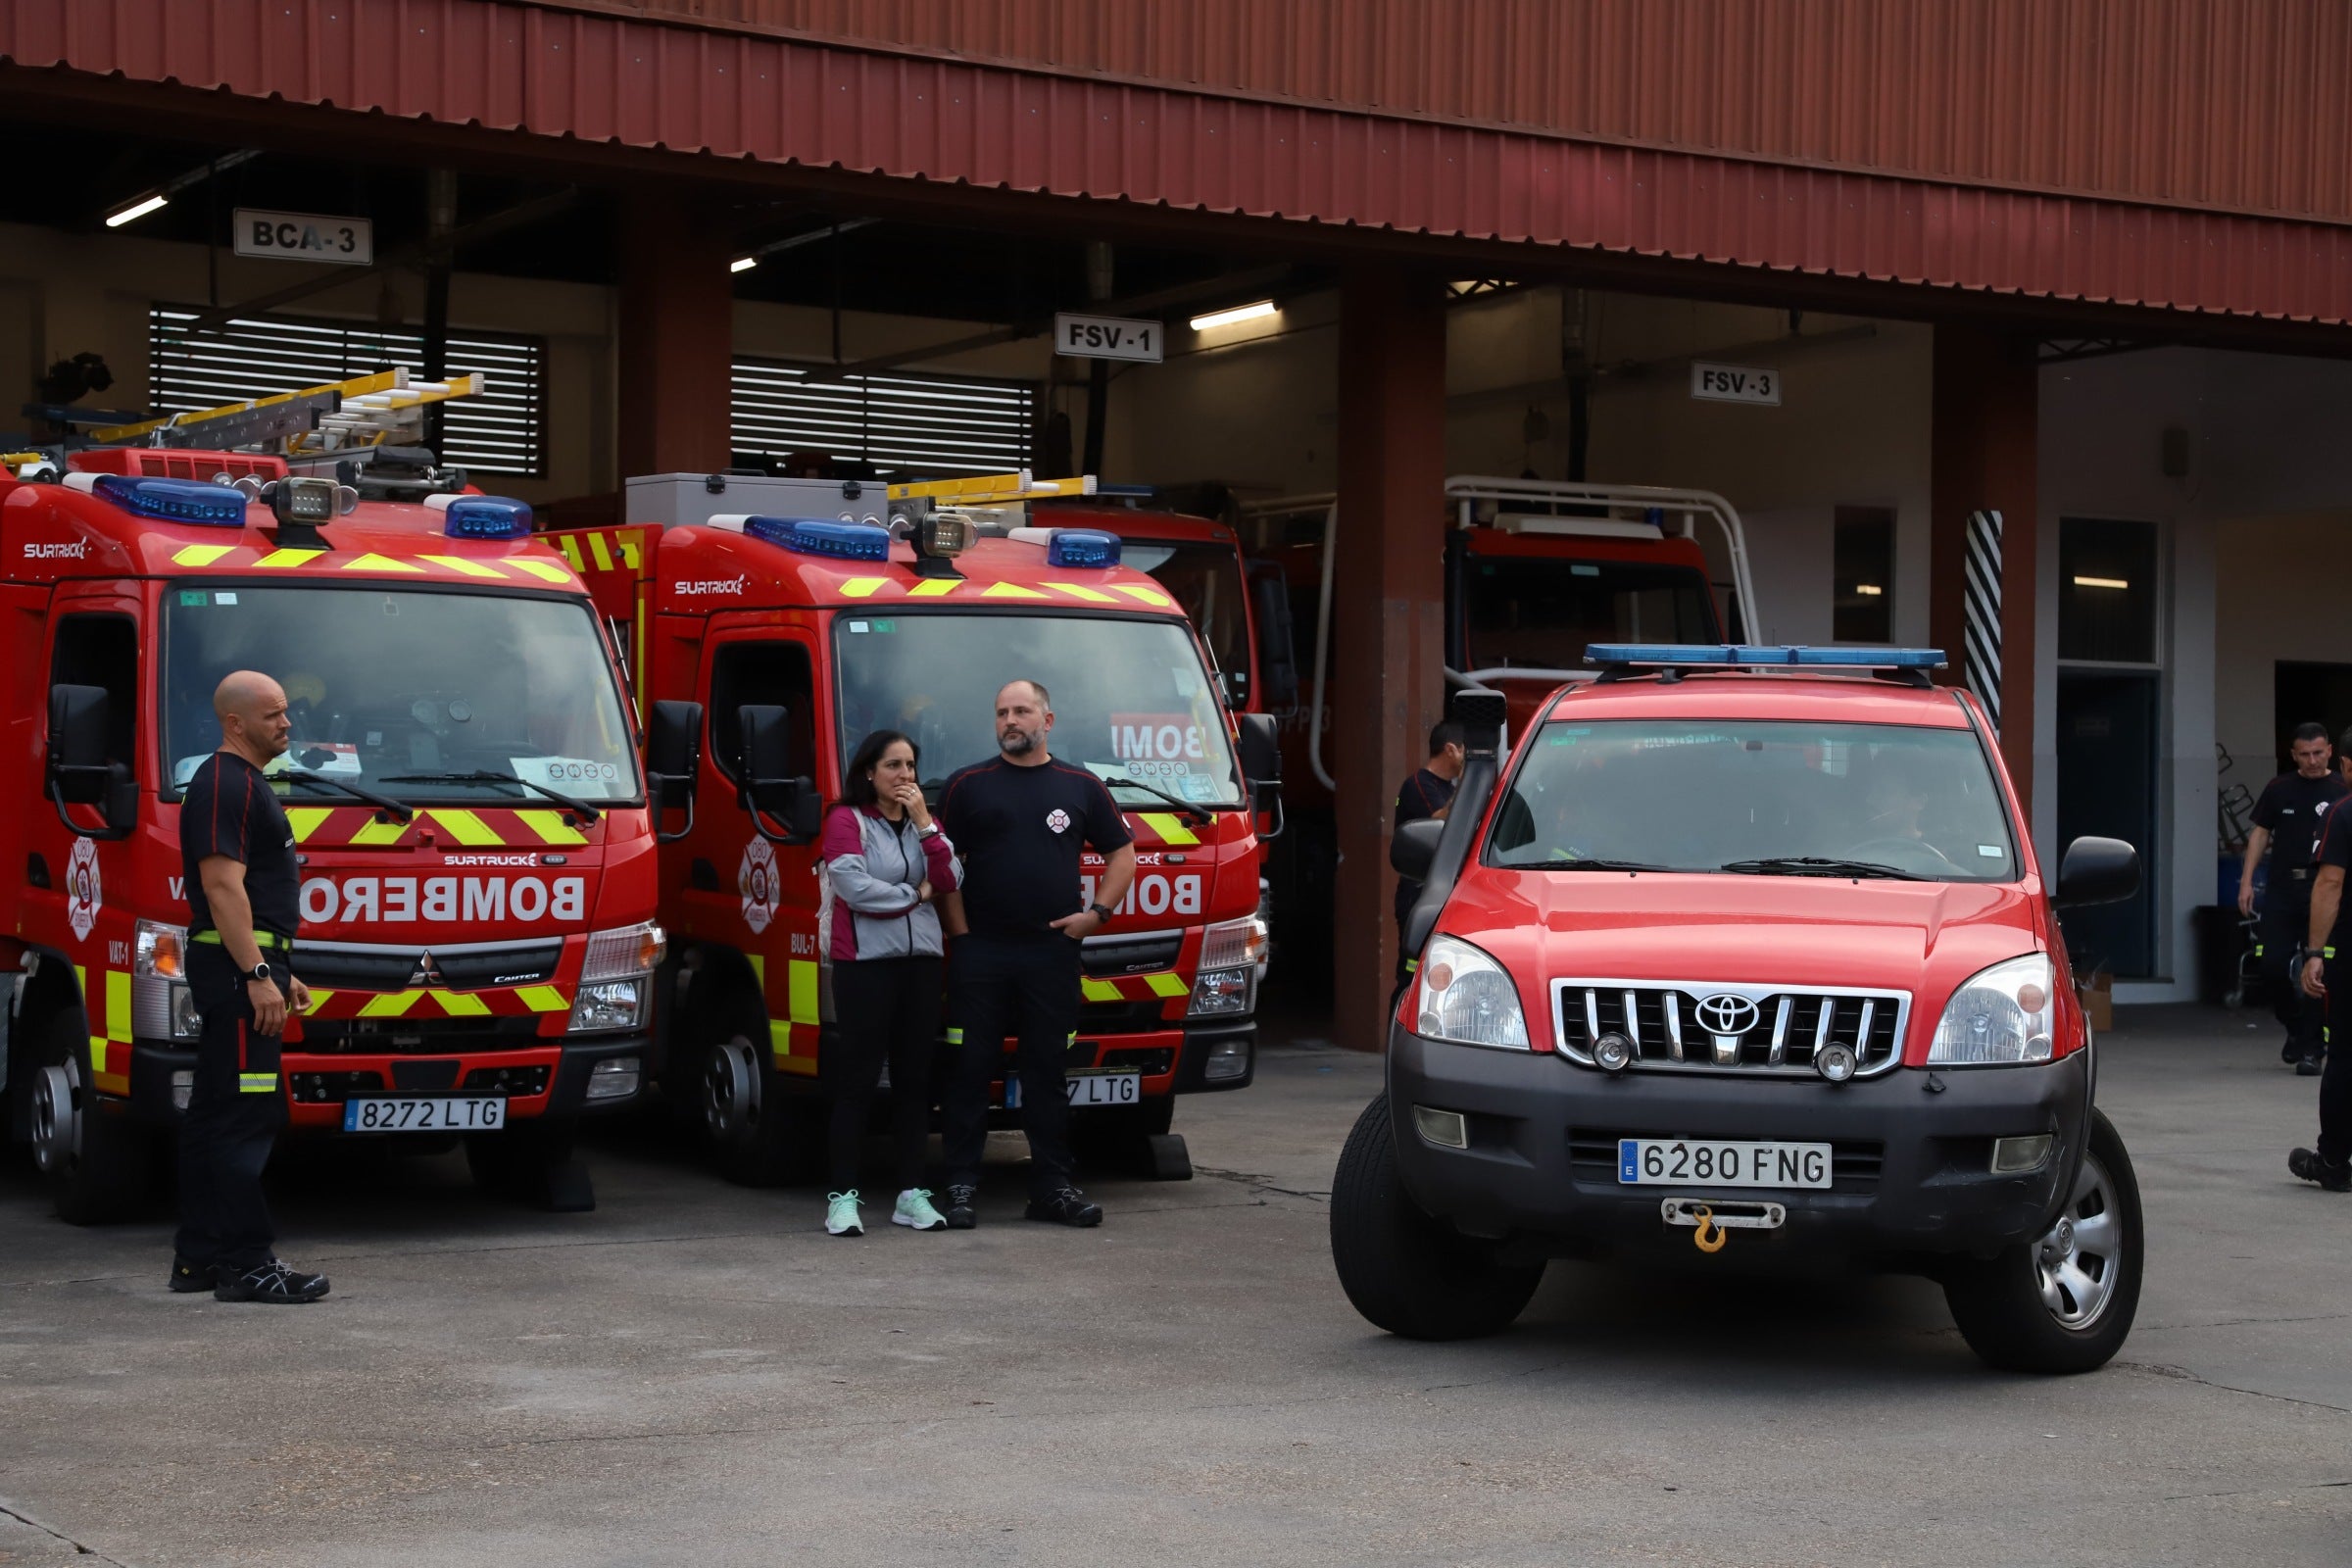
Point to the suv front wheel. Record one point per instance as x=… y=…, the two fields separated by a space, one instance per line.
x=2065 y=1301
x=1404 y=1271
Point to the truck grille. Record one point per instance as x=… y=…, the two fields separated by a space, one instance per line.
x=401 y=1036
x=1854 y=1163
x=359 y=966
x=1696 y=1026
x=1105 y=958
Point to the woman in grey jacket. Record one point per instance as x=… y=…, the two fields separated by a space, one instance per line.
x=882 y=867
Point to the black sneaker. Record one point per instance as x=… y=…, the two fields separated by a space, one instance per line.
x=270 y=1282
x=961 y=1216
x=188 y=1278
x=1066 y=1207
x=2292 y=1051
x=2307 y=1163
x=2309 y=1067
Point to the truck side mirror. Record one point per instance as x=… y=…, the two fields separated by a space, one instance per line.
x=2096 y=870
x=673 y=744
x=769 y=790
x=80 y=774
x=1262 y=766
x=1414 y=848
x=1277 y=669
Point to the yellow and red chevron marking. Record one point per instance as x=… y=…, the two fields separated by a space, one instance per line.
x=108 y=1011
x=872 y=589
x=446 y=567
x=602 y=549
x=1164 y=986
x=429 y=1005
x=526 y=828
x=1169 y=829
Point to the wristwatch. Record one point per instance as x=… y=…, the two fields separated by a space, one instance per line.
x=930 y=832
x=259 y=971
x=1100 y=910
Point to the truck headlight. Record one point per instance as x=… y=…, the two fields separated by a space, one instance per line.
x=608 y=1005
x=1223 y=993
x=2001 y=1016
x=161 y=1007
x=1232 y=952
x=617 y=977
x=1467 y=998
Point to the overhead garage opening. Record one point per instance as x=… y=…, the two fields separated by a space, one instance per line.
x=933 y=426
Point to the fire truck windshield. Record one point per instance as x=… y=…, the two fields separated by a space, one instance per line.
x=383 y=683
x=1130 y=695
x=1540 y=612
x=1206 y=580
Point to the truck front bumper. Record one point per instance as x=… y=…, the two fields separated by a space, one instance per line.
x=1911 y=1152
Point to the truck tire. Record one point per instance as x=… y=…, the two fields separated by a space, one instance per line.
x=97 y=1167
x=1404 y=1271
x=2063 y=1303
x=763 y=1132
x=533 y=1161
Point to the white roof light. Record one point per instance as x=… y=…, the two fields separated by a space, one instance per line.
x=743 y=264
x=1239 y=313
x=138 y=209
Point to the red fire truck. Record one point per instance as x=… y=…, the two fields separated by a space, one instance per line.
x=799 y=634
x=477 y=867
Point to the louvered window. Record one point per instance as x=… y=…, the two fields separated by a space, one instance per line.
x=902 y=423
x=502 y=431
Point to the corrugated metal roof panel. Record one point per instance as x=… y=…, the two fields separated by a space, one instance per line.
x=561 y=73
x=2242 y=106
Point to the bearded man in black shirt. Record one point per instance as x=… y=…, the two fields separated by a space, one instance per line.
x=2288 y=820
x=1020 y=821
x=244 y=904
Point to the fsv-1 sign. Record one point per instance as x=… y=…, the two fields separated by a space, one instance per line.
x=1108 y=338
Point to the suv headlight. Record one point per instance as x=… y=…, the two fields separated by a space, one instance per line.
x=1467 y=998
x=616 y=978
x=2002 y=1016
x=161 y=1006
x=1231 y=952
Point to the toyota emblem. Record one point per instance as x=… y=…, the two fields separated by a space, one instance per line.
x=1724 y=1013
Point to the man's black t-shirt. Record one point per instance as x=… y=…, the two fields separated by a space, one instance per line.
x=2293 y=809
x=230 y=810
x=1422 y=795
x=2335 y=849
x=1020 y=830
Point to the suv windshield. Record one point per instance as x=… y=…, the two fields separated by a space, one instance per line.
x=392 y=683
x=1763 y=796
x=1540 y=612
x=1131 y=699
x=1207 y=581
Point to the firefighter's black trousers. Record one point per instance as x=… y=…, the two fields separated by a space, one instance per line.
x=2335 y=1082
x=235 y=1110
x=2285 y=922
x=1026 y=987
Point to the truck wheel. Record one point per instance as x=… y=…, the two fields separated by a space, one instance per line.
x=2064 y=1302
x=533 y=1161
x=1404 y=1271
x=95 y=1165
x=764 y=1134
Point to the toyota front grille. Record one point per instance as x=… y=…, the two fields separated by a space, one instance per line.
x=1698 y=1026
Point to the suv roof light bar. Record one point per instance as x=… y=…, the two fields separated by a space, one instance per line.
x=1621 y=660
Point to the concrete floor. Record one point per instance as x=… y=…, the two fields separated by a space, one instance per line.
x=697 y=1373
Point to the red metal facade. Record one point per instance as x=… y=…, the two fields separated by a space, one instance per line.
x=2241 y=105
x=555 y=72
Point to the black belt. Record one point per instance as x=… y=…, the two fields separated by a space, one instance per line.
x=267 y=940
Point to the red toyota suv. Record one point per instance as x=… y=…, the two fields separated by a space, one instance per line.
x=1744 y=958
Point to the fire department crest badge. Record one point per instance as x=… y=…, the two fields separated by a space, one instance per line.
x=86 y=894
x=755 y=880
x=1058 y=820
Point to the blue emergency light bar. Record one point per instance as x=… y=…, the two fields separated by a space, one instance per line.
x=486 y=517
x=1082 y=547
x=817 y=536
x=215 y=506
x=1740 y=656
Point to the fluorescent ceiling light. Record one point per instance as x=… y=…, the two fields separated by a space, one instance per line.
x=138 y=209
x=1869 y=590
x=743 y=264
x=2102 y=582
x=1239 y=313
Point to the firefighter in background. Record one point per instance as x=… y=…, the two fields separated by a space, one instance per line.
x=244 y=907
x=2287 y=821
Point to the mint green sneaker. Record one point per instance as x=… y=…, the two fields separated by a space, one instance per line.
x=841 y=1214
x=915 y=1211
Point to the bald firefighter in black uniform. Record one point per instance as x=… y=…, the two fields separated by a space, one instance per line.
x=244 y=904
x=2287 y=821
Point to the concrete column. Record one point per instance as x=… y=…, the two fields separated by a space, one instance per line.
x=677 y=326
x=1982 y=453
x=1388 y=607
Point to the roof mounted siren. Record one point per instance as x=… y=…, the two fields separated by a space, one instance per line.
x=1671 y=661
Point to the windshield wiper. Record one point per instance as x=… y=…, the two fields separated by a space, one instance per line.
x=1818 y=865
x=483 y=775
x=1598 y=865
x=382 y=802
x=1198 y=812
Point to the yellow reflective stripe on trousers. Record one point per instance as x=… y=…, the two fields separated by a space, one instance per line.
x=542 y=999
x=955 y=1037
x=256 y=1083
x=551 y=827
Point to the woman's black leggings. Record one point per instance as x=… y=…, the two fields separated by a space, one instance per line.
x=887 y=1010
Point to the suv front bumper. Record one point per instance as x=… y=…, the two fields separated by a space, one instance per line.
x=1911 y=1150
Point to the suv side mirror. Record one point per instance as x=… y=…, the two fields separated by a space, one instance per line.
x=768 y=789
x=78 y=772
x=1482 y=712
x=1414 y=848
x=2096 y=870
x=673 y=744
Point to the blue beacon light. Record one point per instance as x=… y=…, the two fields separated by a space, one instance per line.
x=817 y=536
x=214 y=506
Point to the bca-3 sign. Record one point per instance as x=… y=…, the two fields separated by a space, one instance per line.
x=305 y=238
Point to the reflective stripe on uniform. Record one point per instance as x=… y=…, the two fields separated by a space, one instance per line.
x=256 y=1083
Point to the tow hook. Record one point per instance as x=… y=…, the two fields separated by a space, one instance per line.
x=1714 y=1222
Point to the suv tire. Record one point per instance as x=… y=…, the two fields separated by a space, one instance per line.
x=2088 y=1264
x=1405 y=1272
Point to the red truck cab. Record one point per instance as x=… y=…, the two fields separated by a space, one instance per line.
x=1746 y=948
